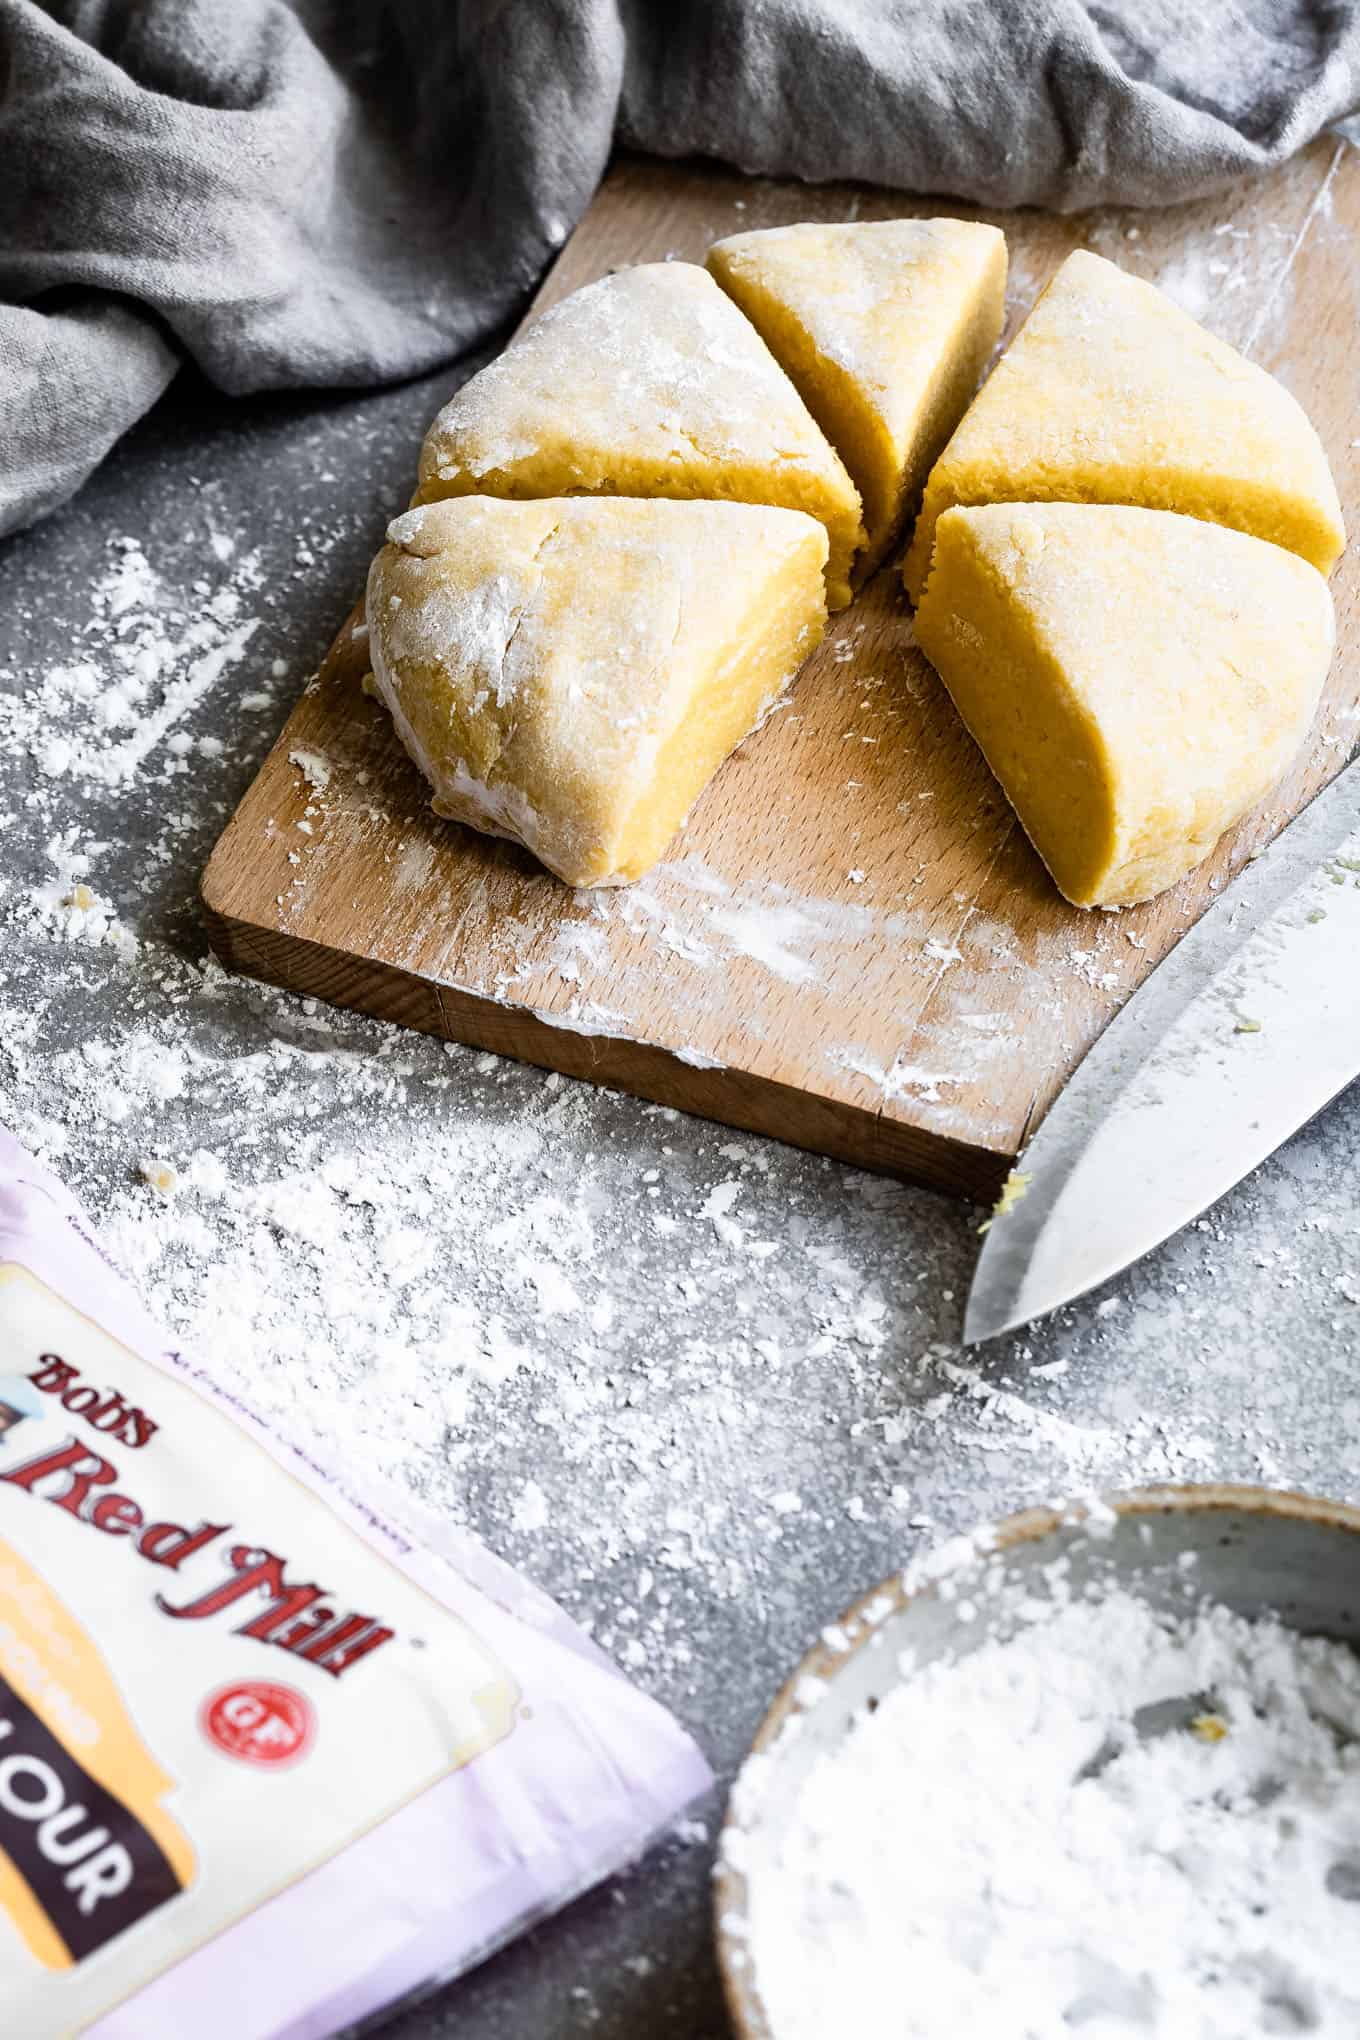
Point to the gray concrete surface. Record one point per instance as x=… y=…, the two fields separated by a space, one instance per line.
x=704 y=1444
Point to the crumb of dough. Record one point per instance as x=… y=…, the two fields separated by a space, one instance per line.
x=1013 y=1189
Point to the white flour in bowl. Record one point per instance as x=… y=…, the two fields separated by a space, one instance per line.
x=1000 y=1852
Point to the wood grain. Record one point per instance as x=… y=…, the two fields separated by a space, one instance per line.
x=851 y=946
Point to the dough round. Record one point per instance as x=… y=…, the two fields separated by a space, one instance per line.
x=1136 y=680
x=884 y=327
x=570 y=673
x=1111 y=394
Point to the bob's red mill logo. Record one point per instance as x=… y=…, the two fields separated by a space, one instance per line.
x=93 y=1865
x=298 y=1616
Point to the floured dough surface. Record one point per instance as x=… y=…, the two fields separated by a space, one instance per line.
x=884 y=327
x=1111 y=394
x=1136 y=680
x=571 y=672
x=647 y=383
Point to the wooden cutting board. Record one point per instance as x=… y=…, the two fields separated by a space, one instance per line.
x=851 y=946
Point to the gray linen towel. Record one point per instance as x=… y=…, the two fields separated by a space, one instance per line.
x=295 y=193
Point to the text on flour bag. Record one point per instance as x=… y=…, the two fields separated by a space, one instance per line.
x=268 y=1761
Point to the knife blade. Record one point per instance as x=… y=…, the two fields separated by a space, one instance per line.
x=1236 y=1040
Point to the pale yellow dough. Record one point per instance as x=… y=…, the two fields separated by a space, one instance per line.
x=570 y=673
x=647 y=383
x=884 y=327
x=1136 y=680
x=1111 y=394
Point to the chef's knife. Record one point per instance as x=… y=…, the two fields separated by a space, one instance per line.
x=1245 y=1032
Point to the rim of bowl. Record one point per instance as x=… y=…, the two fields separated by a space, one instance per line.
x=821 y=1663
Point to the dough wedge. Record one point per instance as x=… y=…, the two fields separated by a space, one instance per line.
x=883 y=327
x=1111 y=394
x=1135 y=679
x=570 y=673
x=647 y=383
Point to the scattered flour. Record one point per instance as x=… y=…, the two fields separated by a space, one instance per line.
x=148 y=656
x=900 y=1080
x=314 y=766
x=994 y=1852
x=471 y=1273
x=531 y=1510
x=771 y=937
x=68 y=905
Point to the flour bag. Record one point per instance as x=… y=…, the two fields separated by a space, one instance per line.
x=268 y=1762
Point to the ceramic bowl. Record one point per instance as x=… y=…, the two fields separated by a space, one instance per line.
x=1257 y=1551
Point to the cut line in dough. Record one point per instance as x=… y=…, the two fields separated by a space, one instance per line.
x=884 y=327
x=647 y=383
x=1110 y=393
